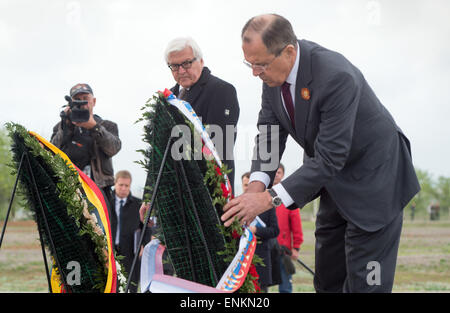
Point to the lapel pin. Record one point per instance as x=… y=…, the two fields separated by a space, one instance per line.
x=305 y=93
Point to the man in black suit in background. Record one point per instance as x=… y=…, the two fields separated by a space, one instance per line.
x=213 y=99
x=125 y=221
x=355 y=157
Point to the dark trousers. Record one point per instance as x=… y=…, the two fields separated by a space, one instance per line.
x=349 y=259
x=126 y=264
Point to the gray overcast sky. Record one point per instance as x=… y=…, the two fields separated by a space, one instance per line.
x=402 y=48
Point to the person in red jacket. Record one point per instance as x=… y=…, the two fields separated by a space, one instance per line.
x=290 y=237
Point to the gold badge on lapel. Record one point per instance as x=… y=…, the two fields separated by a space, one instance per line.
x=305 y=93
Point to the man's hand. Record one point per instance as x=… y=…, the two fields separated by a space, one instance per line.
x=294 y=255
x=246 y=207
x=143 y=211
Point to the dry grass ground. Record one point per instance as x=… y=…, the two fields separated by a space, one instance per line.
x=21 y=263
x=423 y=263
x=424 y=257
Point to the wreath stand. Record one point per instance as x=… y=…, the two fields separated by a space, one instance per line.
x=25 y=162
x=180 y=173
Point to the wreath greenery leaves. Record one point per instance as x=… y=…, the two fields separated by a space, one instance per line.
x=78 y=207
x=214 y=178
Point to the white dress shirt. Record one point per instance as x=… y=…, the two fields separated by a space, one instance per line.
x=263 y=177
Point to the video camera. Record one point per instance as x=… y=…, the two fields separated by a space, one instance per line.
x=76 y=114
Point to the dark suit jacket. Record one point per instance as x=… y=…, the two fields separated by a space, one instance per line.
x=264 y=246
x=215 y=101
x=129 y=223
x=352 y=145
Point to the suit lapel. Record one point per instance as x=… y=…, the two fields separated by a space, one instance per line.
x=195 y=91
x=113 y=216
x=175 y=89
x=303 y=92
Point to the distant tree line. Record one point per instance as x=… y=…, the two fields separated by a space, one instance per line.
x=434 y=191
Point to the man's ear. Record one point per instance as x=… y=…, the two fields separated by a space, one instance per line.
x=291 y=50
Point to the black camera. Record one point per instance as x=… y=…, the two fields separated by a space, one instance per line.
x=76 y=114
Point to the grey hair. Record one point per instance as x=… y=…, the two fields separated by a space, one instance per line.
x=179 y=44
x=276 y=32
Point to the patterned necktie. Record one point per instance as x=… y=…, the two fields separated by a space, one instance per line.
x=182 y=94
x=285 y=90
x=118 y=222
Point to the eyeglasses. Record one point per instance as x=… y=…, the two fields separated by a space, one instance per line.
x=186 y=65
x=259 y=67
x=262 y=67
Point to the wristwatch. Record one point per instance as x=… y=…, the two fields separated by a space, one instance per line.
x=276 y=200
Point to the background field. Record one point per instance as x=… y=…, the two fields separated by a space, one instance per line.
x=423 y=262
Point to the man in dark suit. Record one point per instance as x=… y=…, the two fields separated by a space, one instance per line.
x=355 y=157
x=124 y=218
x=213 y=99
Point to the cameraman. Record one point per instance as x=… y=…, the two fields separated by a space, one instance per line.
x=90 y=142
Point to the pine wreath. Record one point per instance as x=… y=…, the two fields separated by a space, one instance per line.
x=199 y=247
x=73 y=225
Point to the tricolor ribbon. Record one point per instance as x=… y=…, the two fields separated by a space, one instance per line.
x=234 y=276
x=186 y=109
x=95 y=196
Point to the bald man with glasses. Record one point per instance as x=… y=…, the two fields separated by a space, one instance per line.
x=213 y=99
x=356 y=158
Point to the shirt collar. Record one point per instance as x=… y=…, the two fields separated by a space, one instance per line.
x=292 y=77
x=119 y=199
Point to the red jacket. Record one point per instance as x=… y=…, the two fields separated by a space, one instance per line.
x=290 y=225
